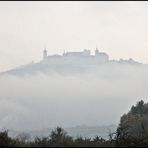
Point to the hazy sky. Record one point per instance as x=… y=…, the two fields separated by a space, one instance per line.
x=118 y=28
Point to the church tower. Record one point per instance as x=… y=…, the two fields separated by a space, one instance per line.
x=44 y=54
x=96 y=51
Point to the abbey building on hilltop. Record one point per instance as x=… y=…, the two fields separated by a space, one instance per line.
x=82 y=57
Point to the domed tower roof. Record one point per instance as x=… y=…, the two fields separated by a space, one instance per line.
x=96 y=51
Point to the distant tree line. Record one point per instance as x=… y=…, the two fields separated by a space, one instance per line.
x=132 y=131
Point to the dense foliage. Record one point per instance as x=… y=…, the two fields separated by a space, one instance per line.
x=132 y=131
x=133 y=127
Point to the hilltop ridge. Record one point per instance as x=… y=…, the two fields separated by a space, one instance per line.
x=69 y=62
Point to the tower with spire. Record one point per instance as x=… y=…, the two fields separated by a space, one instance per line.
x=44 y=54
x=96 y=51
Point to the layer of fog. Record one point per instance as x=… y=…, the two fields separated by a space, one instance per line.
x=97 y=97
